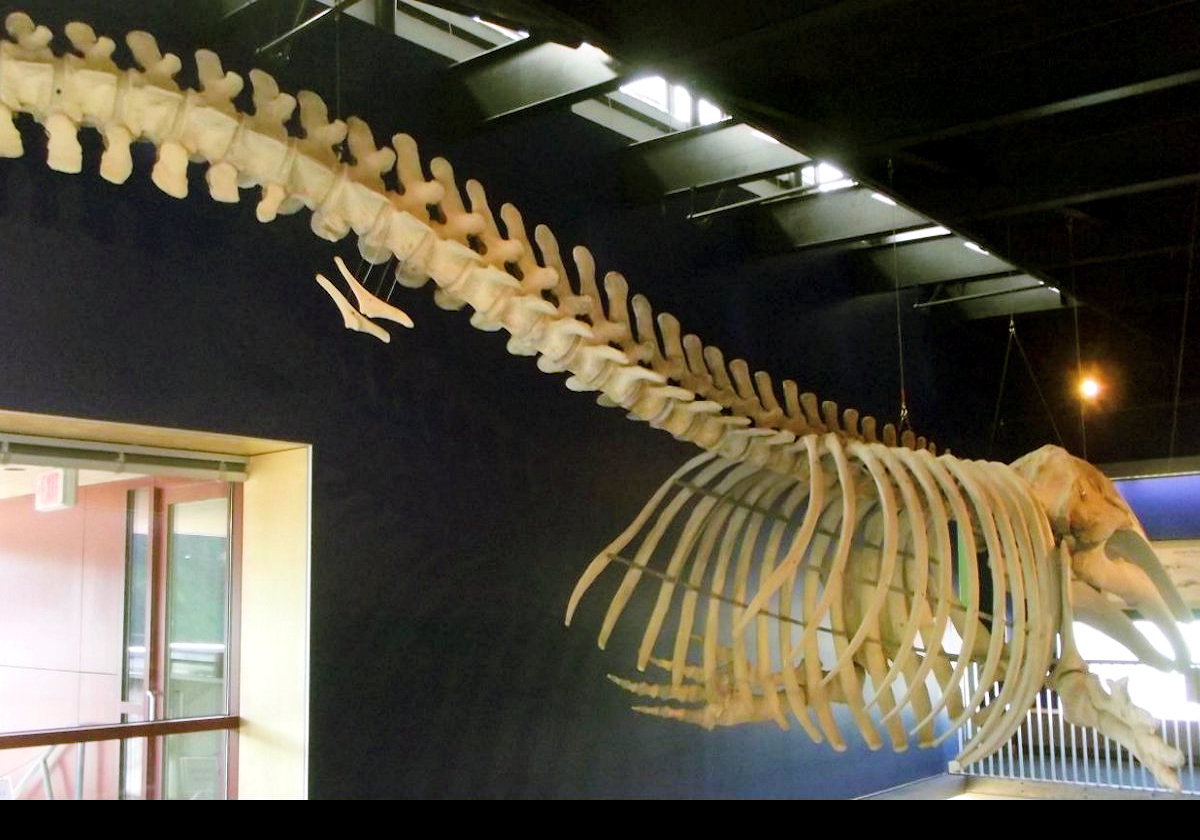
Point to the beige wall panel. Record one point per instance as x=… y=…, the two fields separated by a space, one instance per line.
x=273 y=741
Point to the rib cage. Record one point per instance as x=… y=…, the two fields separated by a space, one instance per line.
x=835 y=581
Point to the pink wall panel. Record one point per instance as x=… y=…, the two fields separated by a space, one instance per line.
x=99 y=697
x=41 y=558
x=32 y=698
x=103 y=577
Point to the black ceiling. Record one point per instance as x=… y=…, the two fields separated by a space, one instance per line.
x=1064 y=138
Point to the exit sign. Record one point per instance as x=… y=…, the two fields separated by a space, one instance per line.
x=55 y=489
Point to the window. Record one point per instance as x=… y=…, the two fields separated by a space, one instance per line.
x=130 y=608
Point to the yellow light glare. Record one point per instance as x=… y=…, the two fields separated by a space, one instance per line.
x=1089 y=388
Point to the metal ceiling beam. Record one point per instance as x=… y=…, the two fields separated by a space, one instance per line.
x=1055 y=202
x=821 y=219
x=936 y=260
x=710 y=156
x=529 y=75
x=1049 y=109
x=997 y=296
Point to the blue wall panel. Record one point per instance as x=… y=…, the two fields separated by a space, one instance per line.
x=1168 y=506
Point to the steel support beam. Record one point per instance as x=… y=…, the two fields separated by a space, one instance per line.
x=528 y=76
x=1049 y=109
x=820 y=219
x=1055 y=202
x=997 y=296
x=710 y=156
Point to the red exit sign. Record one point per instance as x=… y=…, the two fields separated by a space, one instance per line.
x=55 y=489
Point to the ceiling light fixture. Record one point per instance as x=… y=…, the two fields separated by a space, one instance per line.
x=1090 y=388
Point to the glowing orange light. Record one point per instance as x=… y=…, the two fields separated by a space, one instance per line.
x=1089 y=388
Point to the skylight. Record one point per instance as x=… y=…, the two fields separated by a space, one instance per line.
x=511 y=34
x=652 y=90
x=824 y=177
x=676 y=101
x=920 y=233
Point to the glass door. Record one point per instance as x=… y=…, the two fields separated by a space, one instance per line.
x=178 y=643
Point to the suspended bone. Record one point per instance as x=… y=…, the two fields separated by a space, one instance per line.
x=369 y=305
x=350 y=318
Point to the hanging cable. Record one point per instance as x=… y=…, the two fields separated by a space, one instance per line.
x=1012 y=334
x=1033 y=376
x=904 y=424
x=1187 y=295
x=337 y=62
x=1075 y=313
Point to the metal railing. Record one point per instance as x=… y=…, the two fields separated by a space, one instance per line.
x=1048 y=748
x=40 y=767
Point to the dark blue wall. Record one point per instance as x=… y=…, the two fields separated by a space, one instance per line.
x=458 y=491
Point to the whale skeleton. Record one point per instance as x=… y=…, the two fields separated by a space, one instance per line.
x=804 y=558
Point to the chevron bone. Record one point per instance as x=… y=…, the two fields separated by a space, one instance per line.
x=814 y=561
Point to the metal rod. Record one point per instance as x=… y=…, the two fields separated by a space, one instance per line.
x=679 y=581
x=978 y=295
x=780 y=197
x=1041 y=719
x=1021 y=752
x=238 y=10
x=296 y=30
x=47 y=785
x=79 y=766
x=1192 y=761
x=1062 y=737
x=1108 y=760
x=31 y=772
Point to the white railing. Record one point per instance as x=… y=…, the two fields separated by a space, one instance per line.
x=1047 y=748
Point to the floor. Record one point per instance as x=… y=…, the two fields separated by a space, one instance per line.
x=947 y=786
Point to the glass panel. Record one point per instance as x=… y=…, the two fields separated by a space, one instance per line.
x=133 y=768
x=197 y=598
x=137 y=580
x=681 y=104
x=197 y=632
x=135 y=676
x=195 y=767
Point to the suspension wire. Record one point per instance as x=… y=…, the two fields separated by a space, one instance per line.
x=337 y=62
x=905 y=423
x=1012 y=334
x=1075 y=314
x=395 y=281
x=383 y=275
x=1187 y=294
x=1042 y=396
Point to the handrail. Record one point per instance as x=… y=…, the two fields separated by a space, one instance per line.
x=117 y=731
